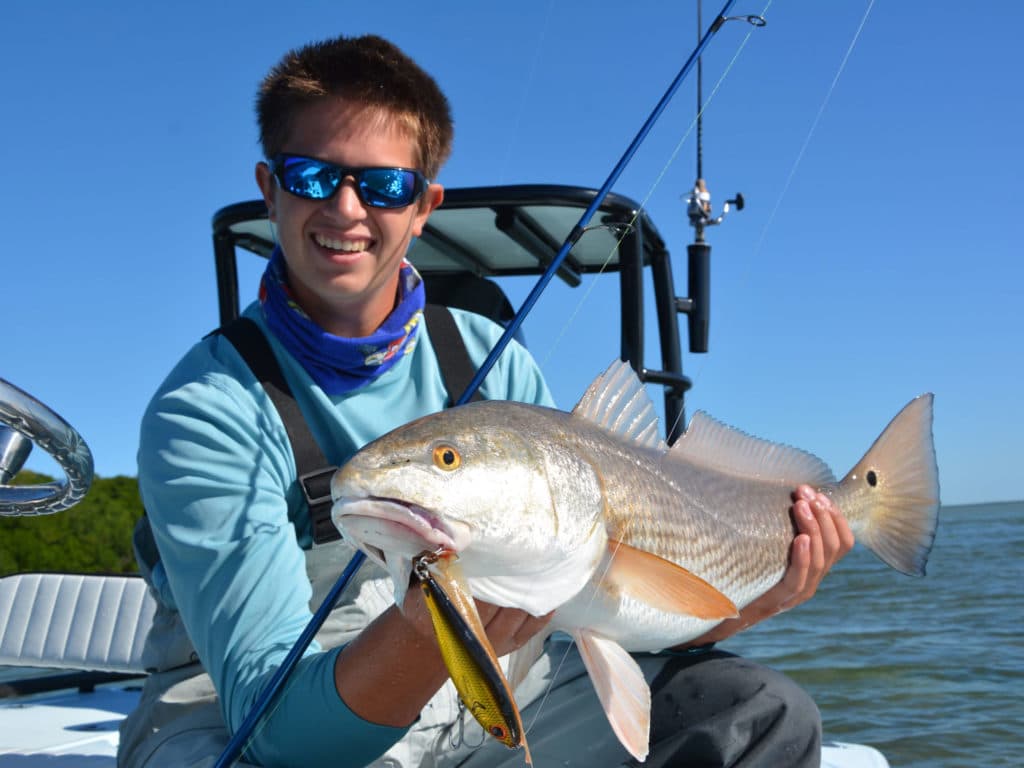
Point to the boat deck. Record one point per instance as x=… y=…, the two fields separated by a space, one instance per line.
x=80 y=730
x=65 y=729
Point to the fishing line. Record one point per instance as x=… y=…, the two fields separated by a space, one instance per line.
x=810 y=132
x=757 y=250
x=584 y=299
x=530 y=79
x=699 y=366
x=695 y=375
x=568 y=649
x=656 y=183
x=627 y=226
x=580 y=228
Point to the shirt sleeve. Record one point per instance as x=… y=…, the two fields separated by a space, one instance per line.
x=215 y=473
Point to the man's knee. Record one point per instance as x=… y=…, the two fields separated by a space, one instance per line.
x=720 y=709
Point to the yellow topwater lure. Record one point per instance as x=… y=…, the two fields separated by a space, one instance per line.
x=466 y=651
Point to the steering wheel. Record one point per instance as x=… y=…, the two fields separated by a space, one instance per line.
x=32 y=422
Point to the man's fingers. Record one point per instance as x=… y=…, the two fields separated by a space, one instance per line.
x=836 y=536
x=530 y=627
x=794 y=582
x=807 y=521
x=826 y=518
x=805 y=492
x=510 y=628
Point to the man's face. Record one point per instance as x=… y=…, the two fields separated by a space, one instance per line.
x=343 y=257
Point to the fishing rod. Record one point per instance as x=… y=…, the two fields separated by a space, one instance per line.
x=237 y=743
x=234 y=748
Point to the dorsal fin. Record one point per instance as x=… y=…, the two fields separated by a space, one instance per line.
x=709 y=443
x=618 y=402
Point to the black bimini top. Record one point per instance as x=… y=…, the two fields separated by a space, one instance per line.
x=484 y=232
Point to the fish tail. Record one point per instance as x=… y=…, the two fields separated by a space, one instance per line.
x=892 y=495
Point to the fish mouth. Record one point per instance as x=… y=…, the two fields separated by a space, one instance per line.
x=389 y=528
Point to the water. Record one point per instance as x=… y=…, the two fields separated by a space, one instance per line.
x=929 y=671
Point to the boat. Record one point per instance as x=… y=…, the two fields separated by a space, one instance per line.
x=72 y=643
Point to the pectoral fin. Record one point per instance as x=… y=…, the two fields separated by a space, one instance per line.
x=664 y=585
x=621 y=688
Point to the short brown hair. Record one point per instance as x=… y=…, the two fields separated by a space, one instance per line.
x=366 y=70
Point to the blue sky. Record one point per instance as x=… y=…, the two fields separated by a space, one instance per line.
x=875 y=259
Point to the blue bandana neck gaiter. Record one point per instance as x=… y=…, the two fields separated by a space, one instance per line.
x=337 y=364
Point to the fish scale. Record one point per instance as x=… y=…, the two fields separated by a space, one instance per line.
x=696 y=520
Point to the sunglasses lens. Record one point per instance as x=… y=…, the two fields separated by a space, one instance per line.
x=389 y=187
x=318 y=180
x=309 y=178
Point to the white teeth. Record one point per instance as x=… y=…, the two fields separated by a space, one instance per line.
x=350 y=246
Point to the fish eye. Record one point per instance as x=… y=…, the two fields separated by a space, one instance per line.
x=497 y=732
x=447 y=458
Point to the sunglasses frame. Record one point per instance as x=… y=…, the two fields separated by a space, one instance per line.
x=277 y=169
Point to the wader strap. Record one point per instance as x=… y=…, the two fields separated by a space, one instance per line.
x=313 y=470
x=457 y=370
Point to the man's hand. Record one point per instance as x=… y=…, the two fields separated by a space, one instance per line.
x=509 y=629
x=391 y=669
x=823 y=538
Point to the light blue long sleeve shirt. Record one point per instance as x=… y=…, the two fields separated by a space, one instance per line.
x=216 y=473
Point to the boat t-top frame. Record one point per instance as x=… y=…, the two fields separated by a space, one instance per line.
x=482 y=233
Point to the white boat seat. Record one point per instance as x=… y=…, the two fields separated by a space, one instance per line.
x=74 y=621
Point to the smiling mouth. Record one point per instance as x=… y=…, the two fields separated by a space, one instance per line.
x=341 y=245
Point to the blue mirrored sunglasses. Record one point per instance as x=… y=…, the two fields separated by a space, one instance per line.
x=319 y=180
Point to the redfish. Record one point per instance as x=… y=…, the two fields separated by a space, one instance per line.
x=636 y=546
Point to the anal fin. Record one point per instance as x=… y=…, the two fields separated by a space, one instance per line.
x=621 y=688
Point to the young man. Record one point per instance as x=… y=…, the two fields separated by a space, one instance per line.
x=354 y=132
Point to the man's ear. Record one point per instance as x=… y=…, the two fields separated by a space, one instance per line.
x=432 y=197
x=265 y=181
